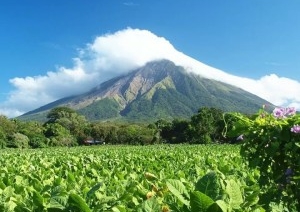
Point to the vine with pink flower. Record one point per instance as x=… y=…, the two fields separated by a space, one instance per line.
x=271 y=143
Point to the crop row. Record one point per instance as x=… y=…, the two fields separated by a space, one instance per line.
x=128 y=178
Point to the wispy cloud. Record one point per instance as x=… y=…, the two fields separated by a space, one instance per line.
x=112 y=54
x=276 y=64
x=130 y=4
x=51 y=45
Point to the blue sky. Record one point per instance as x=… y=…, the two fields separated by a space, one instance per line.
x=250 y=39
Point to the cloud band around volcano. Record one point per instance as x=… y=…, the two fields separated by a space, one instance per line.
x=110 y=55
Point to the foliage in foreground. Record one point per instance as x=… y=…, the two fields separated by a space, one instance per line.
x=272 y=145
x=118 y=178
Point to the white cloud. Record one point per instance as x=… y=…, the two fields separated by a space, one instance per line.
x=280 y=91
x=130 y=4
x=112 y=54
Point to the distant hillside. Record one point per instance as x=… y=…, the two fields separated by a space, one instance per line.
x=160 y=89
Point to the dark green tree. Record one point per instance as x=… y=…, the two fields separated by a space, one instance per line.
x=112 y=136
x=205 y=125
x=75 y=124
x=59 y=112
x=99 y=131
x=157 y=127
x=135 y=134
x=166 y=130
x=7 y=129
x=57 y=135
x=177 y=132
x=35 y=133
x=18 y=140
x=3 y=139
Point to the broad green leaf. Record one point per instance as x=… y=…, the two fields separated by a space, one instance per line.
x=178 y=189
x=18 y=180
x=71 y=177
x=8 y=191
x=200 y=202
x=119 y=209
x=2 y=185
x=234 y=192
x=209 y=185
x=141 y=189
x=56 y=203
x=36 y=184
x=58 y=199
x=150 y=176
x=38 y=200
x=252 y=199
x=93 y=189
x=95 y=173
x=215 y=208
x=21 y=207
x=222 y=205
x=150 y=205
x=10 y=205
x=79 y=203
x=135 y=201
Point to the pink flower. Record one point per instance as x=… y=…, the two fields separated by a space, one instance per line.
x=290 y=111
x=281 y=112
x=295 y=129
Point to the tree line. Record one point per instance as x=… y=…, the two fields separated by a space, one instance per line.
x=65 y=127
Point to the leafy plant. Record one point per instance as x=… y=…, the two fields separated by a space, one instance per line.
x=127 y=178
x=272 y=145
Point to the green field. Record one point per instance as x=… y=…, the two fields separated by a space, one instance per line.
x=260 y=174
x=128 y=178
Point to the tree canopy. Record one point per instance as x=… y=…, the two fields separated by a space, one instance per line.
x=66 y=127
